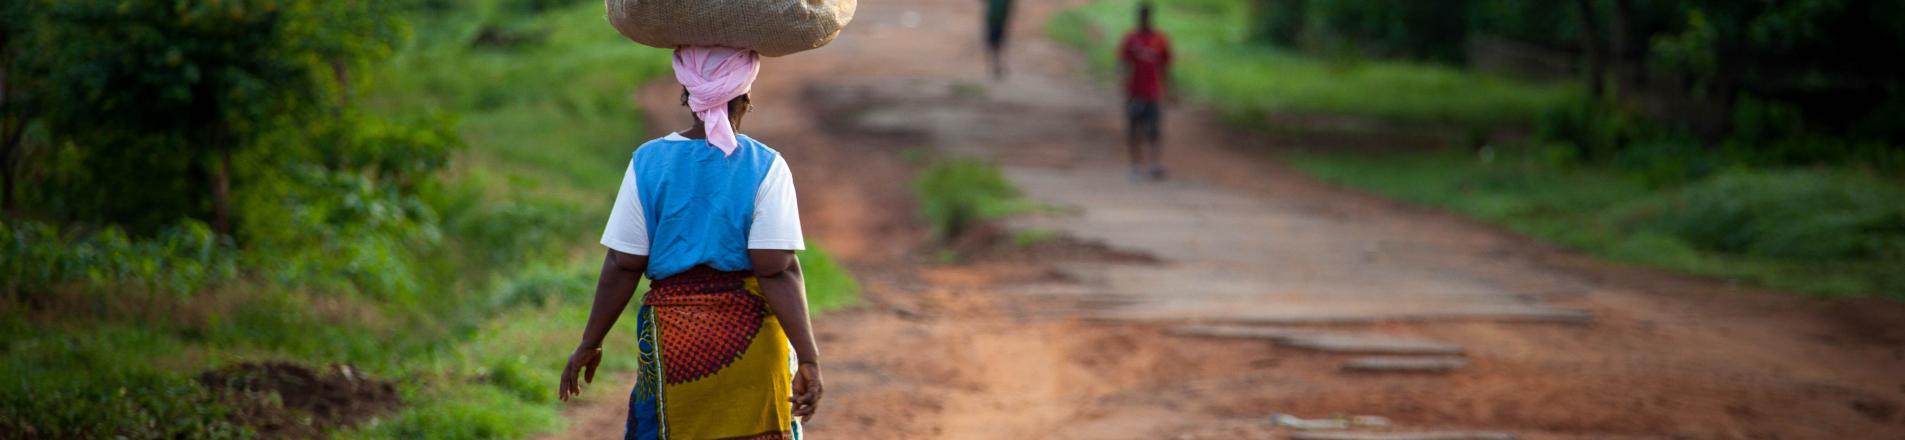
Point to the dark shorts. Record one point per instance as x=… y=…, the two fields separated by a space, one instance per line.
x=998 y=15
x=1146 y=118
x=995 y=34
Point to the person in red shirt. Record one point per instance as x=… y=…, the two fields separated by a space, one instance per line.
x=1146 y=58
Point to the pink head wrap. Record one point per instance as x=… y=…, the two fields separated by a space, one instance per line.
x=713 y=76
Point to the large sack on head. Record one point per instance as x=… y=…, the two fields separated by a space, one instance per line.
x=770 y=27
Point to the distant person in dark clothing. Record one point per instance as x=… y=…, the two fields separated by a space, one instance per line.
x=998 y=17
x=1146 y=60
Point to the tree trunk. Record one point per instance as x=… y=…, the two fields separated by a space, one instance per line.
x=12 y=142
x=6 y=180
x=342 y=74
x=1591 y=45
x=12 y=133
x=1619 y=41
x=222 y=193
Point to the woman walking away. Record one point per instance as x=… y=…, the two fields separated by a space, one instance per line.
x=709 y=215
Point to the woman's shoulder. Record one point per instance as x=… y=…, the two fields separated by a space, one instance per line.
x=751 y=142
x=659 y=146
x=669 y=139
x=758 y=148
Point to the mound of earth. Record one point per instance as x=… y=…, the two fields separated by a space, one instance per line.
x=287 y=400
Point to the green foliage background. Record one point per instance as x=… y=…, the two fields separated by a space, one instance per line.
x=1218 y=63
x=428 y=215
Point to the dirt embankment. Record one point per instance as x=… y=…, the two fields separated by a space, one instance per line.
x=286 y=400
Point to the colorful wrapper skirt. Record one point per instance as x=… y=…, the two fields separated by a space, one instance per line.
x=714 y=363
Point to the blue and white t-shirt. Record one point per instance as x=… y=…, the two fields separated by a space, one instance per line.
x=684 y=204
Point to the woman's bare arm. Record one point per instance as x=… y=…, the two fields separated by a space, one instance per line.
x=778 y=271
x=620 y=274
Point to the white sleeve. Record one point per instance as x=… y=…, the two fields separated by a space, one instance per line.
x=776 y=212
x=627 y=231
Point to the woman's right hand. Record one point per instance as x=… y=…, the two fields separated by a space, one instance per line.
x=807 y=390
x=584 y=360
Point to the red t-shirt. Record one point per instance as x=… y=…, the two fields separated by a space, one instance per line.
x=1148 y=55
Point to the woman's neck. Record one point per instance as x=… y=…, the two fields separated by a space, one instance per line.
x=696 y=132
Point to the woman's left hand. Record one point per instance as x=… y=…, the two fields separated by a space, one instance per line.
x=583 y=361
x=807 y=391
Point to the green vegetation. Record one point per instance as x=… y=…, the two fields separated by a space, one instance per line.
x=1729 y=139
x=957 y=194
x=1215 y=64
x=1033 y=237
x=829 y=286
x=1818 y=231
x=1759 y=82
x=429 y=217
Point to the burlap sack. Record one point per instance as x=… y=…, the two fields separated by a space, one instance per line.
x=771 y=27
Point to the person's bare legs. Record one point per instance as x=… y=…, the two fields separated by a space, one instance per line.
x=1134 y=139
x=1155 y=130
x=1143 y=134
x=996 y=55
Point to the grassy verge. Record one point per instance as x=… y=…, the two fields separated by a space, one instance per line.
x=1216 y=64
x=1820 y=231
x=540 y=93
x=957 y=194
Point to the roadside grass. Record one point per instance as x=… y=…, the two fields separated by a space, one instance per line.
x=75 y=384
x=829 y=285
x=957 y=194
x=542 y=101
x=1819 y=231
x=1215 y=64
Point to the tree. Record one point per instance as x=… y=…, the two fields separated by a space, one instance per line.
x=160 y=95
x=1618 y=36
x=16 y=109
x=1591 y=47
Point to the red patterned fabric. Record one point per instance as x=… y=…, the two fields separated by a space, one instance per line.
x=706 y=320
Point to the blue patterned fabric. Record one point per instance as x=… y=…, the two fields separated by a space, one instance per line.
x=644 y=402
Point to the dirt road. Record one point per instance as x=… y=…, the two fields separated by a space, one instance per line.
x=1081 y=337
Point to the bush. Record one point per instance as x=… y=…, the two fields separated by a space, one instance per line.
x=61 y=386
x=1772 y=134
x=338 y=231
x=1765 y=134
x=508 y=233
x=956 y=194
x=1662 y=163
x=35 y=260
x=1789 y=214
x=541 y=284
x=1828 y=231
x=1598 y=131
x=149 y=407
x=829 y=285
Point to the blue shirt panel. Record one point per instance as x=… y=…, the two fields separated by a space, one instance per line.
x=699 y=204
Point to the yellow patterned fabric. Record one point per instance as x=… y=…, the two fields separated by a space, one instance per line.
x=723 y=364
